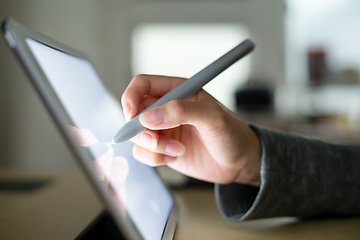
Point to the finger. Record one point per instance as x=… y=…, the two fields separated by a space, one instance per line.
x=159 y=143
x=146 y=102
x=142 y=85
x=150 y=158
x=204 y=115
x=147 y=139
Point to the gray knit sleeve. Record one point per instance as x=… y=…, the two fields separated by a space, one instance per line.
x=300 y=176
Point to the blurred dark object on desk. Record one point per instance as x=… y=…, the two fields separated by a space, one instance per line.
x=310 y=114
x=349 y=76
x=254 y=99
x=329 y=127
x=321 y=72
x=22 y=185
x=318 y=71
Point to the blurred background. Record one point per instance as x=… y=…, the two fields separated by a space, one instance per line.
x=302 y=77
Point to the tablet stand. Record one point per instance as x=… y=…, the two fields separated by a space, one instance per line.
x=102 y=227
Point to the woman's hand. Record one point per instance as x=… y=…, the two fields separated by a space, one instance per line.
x=198 y=137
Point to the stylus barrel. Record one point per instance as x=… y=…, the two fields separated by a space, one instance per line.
x=188 y=88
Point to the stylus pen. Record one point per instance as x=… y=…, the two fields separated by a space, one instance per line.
x=187 y=88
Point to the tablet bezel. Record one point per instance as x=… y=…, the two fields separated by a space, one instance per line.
x=15 y=34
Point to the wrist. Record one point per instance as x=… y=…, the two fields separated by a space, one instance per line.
x=250 y=170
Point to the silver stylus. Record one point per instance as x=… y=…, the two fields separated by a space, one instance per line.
x=187 y=88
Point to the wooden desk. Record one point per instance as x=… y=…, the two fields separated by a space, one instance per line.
x=64 y=207
x=200 y=219
x=59 y=210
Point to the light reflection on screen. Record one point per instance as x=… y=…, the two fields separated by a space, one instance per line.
x=97 y=116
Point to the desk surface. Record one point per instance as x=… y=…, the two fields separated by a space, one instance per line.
x=67 y=204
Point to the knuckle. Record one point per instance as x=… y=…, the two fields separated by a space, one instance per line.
x=139 y=77
x=137 y=80
x=219 y=116
x=177 y=108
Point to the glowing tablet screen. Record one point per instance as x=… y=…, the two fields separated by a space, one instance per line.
x=97 y=116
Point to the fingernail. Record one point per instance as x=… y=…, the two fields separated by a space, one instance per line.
x=148 y=140
x=175 y=149
x=127 y=111
x=152 y=117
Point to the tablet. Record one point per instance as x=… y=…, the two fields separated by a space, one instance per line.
x=88 y=117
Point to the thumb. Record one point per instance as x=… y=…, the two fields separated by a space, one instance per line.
x=180 y=112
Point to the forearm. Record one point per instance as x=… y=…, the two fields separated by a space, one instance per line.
x=299 y=177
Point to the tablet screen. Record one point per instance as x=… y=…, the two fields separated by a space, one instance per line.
x=96 y=116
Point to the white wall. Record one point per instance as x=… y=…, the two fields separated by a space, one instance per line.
x=29 y=137
x=331 y=25
x=102 y=30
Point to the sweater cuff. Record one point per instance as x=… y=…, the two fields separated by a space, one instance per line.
x=299 y=177
x=238 y=202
